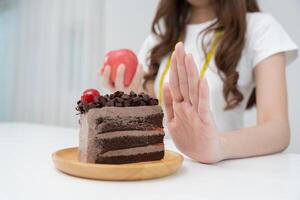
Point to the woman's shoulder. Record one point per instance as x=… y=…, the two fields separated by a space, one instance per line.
x=259 y=16
x=143 y=55
x=265 y=36
x=263 y=27
x=151 y=40
x=258 y=21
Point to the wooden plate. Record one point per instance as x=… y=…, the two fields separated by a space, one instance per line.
x=66 y=160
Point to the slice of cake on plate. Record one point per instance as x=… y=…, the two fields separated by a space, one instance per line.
x=120 y=128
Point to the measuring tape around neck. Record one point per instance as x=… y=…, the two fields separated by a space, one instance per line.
x=203 y=68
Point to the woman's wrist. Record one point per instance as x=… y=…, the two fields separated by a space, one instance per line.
x=224 y=154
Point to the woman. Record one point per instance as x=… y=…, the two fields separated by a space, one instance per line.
x=245 y=53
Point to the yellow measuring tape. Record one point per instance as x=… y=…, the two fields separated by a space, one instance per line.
x=203 y=68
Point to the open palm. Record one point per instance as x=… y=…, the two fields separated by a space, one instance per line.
x=189 y=118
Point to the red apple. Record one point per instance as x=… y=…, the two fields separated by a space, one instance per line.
x=121 y=56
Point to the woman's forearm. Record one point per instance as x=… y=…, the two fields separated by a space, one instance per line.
x=266 y=138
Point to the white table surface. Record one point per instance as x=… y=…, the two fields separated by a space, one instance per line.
x=27 y=172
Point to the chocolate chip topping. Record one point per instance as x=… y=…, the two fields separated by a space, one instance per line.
x=117 y=99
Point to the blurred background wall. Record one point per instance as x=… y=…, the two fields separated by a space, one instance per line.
x=51 y=50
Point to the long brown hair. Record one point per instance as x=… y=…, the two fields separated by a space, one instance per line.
x=173 y=16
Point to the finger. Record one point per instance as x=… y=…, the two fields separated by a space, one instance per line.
x=138 y=76
x=174 y=82
x=106 y=78
x=119 y=82
x=181 y=69
x=203 y=106
x=168 y=102
x=193 y=80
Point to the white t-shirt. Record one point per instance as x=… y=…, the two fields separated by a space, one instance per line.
x=264 y=38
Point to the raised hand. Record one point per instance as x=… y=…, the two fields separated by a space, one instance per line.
x=189 y=118
x=136 y=84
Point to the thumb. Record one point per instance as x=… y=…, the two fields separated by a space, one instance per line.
x=168 y=102
x=138 y=76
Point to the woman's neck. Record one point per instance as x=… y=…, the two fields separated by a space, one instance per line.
x=203 y=13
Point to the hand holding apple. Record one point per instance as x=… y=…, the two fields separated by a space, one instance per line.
x=122 y=72
x=114 y=59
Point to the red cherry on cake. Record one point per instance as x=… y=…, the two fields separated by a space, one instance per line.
x=122 y=56
x=89 y=95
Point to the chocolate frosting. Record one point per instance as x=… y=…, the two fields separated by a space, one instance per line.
x=117 y=99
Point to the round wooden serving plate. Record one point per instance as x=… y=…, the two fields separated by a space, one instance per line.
x=66 y=160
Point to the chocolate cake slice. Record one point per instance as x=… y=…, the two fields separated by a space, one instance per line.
x=121 y=128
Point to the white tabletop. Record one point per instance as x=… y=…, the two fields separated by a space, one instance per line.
x=27 y=172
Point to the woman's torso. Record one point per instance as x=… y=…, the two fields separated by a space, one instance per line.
x=256 y=22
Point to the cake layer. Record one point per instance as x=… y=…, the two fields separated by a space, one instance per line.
x=131 y=158
x=110 y=135
x=127 y=139
x=136 y=154
x=134 y=151
x=108 y=119
x=109 y=124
